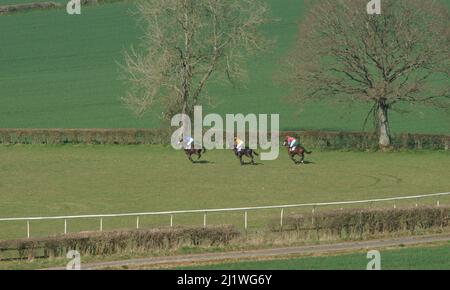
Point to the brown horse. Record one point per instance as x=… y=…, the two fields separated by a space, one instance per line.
x=192 y=151
x=299 y=150
x=245 y=152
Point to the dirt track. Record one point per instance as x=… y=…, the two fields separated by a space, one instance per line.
x=268 y=253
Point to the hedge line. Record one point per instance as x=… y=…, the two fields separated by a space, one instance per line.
x=350 y=224
x=108 y=243
x=84 y=136
x=369 y=141
x=12 y=8
x=310 y=139
x=28 y=6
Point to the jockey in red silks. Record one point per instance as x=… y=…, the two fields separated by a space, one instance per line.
x=292 y=142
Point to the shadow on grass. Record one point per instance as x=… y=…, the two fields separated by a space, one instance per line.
x=252 y=164
x=202 y=162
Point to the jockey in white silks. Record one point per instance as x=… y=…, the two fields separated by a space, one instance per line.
x=187 y=142
x=239 y=144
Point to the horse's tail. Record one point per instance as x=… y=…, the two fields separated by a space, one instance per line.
x=308 y=152
x=256 y=153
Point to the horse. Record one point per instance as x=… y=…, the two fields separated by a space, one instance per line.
x=192 y=151
x=245 y=152
x=299 y=150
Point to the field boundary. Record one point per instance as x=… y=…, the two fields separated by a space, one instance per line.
x=273 y=253
x=32 y=6
x=244 y=210
x=332 y=140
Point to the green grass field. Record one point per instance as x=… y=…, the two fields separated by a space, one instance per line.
x=73 y=180
x=61 y=71
x=415 y=258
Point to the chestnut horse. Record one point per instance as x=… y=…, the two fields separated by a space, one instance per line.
x=299 y=150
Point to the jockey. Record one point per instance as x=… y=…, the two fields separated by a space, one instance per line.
x=292 y=142
x=238 y=143
x=188 y=141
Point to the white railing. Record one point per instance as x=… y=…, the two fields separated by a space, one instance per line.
x=206 y=211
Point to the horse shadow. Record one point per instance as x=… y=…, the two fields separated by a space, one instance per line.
x=253 y=164
x=202 y=162
x=305 y=162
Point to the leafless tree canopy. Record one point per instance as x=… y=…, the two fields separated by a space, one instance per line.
x=187 y=43
x=343 y=54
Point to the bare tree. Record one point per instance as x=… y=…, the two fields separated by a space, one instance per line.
x=186 y=45
x=345 y=55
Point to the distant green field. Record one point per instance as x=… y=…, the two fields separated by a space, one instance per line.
x=415 y=258
x=72 y=180
x=58 y=70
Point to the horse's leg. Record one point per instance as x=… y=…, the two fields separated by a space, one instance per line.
x=190 y=158
x=253 y=158
x=293 y=158
x=240 y=159
x=302 y=160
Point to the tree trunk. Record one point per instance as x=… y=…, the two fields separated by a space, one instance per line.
x=383 y=124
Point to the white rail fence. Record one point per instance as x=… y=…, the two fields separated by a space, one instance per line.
x=244 y=210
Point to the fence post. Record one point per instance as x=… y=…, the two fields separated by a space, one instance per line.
x=171 y=220
x=101 y=224
x=137 y=222
x=281 y=217
x=204 y=220
x=438 y=203
x=245 y=220
x=313 y=212
x=28 y=229
x=65 y=226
